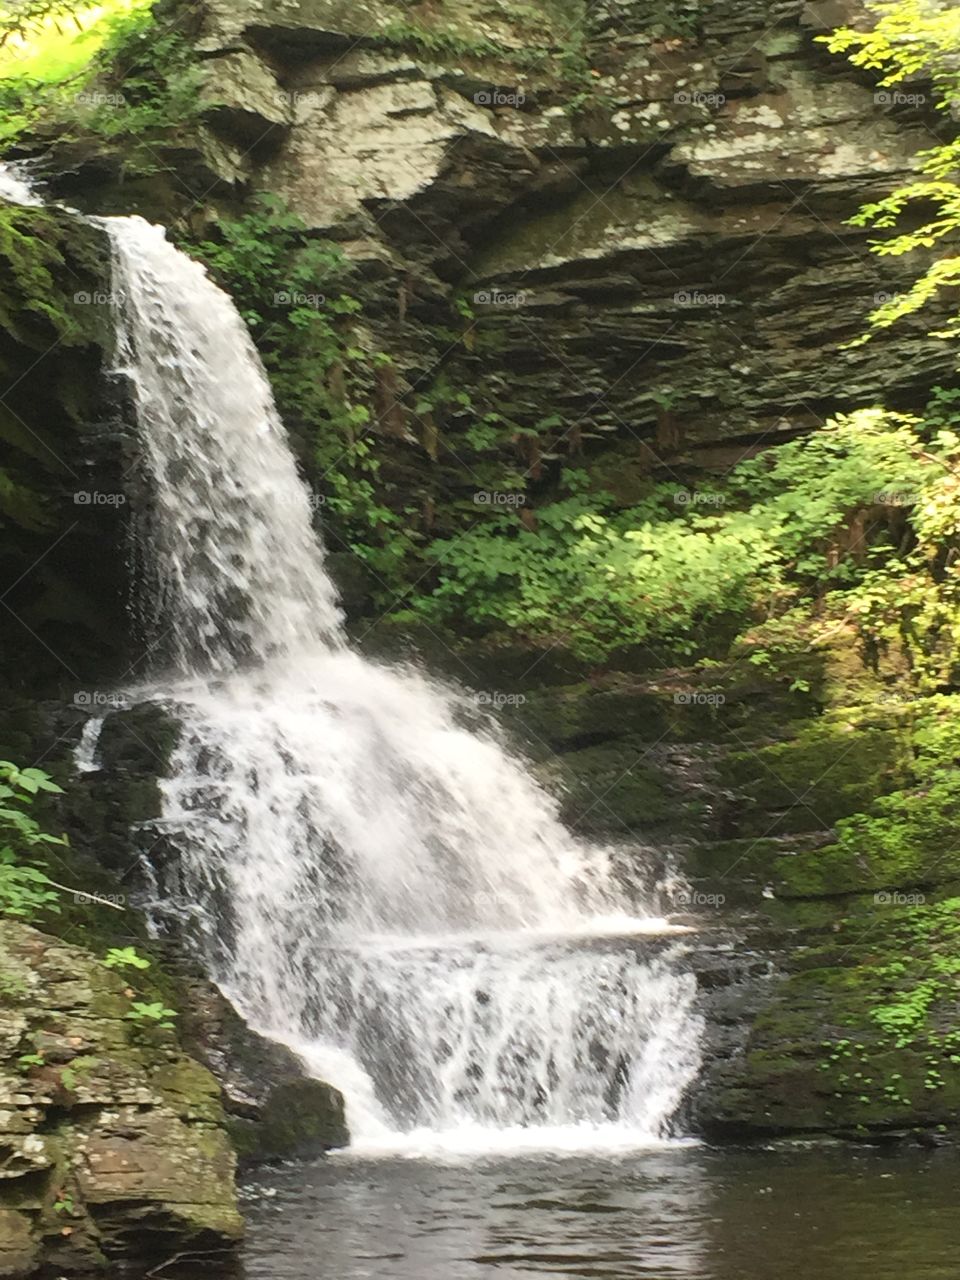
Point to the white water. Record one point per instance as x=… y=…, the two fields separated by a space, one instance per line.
x=14 y=188
x=371 y=878
x=86 y=755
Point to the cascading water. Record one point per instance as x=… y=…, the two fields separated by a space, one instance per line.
x=14 y=188
x=370 y=879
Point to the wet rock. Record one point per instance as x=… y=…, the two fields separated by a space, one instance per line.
x=274 y=1108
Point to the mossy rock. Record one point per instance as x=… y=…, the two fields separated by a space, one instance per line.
x=110 y=1129
x=833 y=768
x=624 y=787
x=860 y=1036
x=300 y=1119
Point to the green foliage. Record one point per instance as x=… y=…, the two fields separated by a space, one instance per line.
x=155 y=1014
x=911 y=39
x=787 y=524
x=142 y=83
x=927 y=975
x=25 y=890
x=912 y=830
x=125 y=958
x=292 y=291
x=25 y=18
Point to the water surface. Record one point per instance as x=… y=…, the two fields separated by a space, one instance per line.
x=671 y=1213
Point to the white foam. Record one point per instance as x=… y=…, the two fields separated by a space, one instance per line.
x=372 y=877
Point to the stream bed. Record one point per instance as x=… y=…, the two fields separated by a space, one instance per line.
x=795 y=1212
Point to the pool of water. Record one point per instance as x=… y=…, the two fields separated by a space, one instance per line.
x=671 y=1213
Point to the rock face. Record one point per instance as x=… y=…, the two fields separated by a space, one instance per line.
x=61 y=489
x=114 y=1141
x=274 y=1110
x=622 y=228
x=663 y=222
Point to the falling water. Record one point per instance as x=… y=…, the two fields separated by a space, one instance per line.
x=14 y=188
x=371 y=876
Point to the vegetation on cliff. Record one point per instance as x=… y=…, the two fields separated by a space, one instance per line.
x=843 y=538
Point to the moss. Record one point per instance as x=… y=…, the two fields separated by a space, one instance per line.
x=39 y=293
x=908 y=838
x=301 y=1118
x=112 y=1130
x=831 y=769
x=621 y=786
x=862 y=1034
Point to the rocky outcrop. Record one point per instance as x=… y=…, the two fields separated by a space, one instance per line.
x=61 y=484
x=622 y=229
x=114 y=1145
x=274 y=1109
x=666 y=228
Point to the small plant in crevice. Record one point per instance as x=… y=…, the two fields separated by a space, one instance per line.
x=25 y=889
x=147 y=1014
x=125 y=958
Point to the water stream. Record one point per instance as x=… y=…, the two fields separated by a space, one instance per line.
x=370 y=875
x=368 y=872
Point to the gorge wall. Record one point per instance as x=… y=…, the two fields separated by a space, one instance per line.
x=621 y=230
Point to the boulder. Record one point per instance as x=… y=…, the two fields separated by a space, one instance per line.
x=114 y=1141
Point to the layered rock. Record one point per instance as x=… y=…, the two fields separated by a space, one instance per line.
x=662 y=223
x=65 y=454
x=624 y=231
x=621 y=228
x=114 y=1141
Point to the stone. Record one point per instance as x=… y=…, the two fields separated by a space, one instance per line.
x=115 y=1134
x=240 y=96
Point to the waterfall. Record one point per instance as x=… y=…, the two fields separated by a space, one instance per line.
x=369 y=874
x=14 y=188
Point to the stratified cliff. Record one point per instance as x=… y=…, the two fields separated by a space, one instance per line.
x=620 y=233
